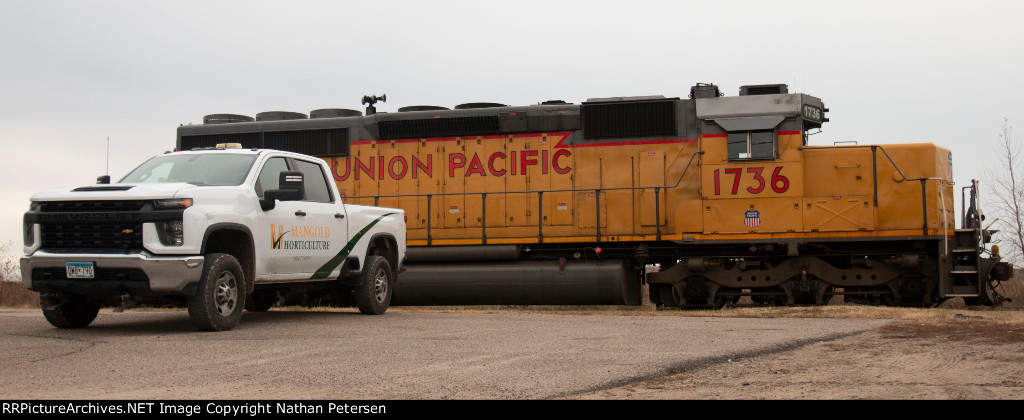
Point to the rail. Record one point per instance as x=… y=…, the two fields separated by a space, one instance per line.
x=540 y=203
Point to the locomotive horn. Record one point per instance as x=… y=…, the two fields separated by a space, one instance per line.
x=370 y=100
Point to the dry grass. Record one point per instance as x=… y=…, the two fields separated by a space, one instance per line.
x=15 y=295
x=996 y=331
x=1014 y=289
x=12 y=293
x=831 y=311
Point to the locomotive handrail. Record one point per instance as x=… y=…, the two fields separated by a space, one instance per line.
x=540 y=202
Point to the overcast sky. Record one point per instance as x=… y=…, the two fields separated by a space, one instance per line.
x=74 y=73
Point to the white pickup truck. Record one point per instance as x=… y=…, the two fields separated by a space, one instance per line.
x=217 y=229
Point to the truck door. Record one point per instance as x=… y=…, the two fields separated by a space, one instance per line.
x=324 y=226
x=301 y=236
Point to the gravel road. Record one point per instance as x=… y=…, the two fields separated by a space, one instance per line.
x=400 y=355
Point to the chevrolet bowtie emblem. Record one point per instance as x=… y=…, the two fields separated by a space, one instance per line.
x=127 y=231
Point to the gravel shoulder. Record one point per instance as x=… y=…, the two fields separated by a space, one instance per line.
x=959 y=358
x=523 y=353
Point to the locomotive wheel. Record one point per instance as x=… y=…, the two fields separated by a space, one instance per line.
x=693 y=293
x=696 y=289
x=827 y=295
x=720 y=302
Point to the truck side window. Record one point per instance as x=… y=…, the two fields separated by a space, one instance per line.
x=316 y=182
x=270 y=175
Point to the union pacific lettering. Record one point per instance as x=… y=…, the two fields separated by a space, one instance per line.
x=398 y=167
x=497 y=164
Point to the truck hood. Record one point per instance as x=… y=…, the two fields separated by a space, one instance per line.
x=118 y=192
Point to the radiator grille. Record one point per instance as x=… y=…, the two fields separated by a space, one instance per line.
x=309 y=142
x=634 y=119
x=248 y=140
x=438 y=127
x=326 y=142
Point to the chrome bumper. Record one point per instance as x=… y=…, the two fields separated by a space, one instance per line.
x=165 y=273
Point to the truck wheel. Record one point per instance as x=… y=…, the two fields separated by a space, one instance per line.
x=76 y=312
x=374 y=292
x=260 y=301
x=220 y=297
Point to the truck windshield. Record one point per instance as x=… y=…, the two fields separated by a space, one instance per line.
x=196 y=169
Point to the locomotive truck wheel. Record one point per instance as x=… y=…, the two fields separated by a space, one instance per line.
x=719 y=302
x=219 y=298
x=77 y=312
x=260 y=301
x=373 y=296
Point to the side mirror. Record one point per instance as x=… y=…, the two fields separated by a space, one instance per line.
x=291 y=188
x=103 y=179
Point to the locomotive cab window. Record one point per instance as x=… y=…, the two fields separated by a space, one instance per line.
x=752 y=144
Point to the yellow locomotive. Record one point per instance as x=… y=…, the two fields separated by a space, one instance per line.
x=704 y=200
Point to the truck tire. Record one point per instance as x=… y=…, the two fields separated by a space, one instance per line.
x=260 y=301
x=219 y=298
x=77 y=312
x=374 y=292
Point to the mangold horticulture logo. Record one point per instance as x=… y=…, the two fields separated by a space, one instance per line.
x=305 y=237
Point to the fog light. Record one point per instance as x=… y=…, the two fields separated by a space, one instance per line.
x=171 y=233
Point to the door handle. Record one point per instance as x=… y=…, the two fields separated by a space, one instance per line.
x=339 y=216
x=300 y=213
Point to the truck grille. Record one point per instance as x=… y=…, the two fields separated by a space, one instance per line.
x=91 y=206
x=92 y=234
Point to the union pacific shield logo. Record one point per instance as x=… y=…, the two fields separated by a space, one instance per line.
x=752 y=219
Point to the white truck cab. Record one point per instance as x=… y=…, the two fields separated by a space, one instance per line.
x=218 y=229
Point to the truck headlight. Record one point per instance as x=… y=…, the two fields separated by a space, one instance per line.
x=30 y=228
x=173 y=203
x=171 y=233
x=30 y=234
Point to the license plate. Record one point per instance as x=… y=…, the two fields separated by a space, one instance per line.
x=80 y=270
